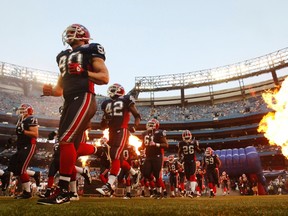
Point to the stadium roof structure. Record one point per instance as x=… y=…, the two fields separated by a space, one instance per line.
x=249 y=68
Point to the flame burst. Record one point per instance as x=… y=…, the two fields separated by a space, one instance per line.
x=133 y=140
x=136 y=142
x=274 y=124
x=83 y=160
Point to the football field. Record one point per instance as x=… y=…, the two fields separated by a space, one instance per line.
x=220 y=205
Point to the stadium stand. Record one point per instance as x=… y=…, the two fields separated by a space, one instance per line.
x=220 y=118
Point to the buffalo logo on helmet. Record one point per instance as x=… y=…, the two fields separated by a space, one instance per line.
x=187 y=136
x=116 y=90
x=208 y=151
x=152 y=124
x=25 y=109
x=76 y=32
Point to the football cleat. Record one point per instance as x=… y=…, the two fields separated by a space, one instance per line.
x=37 y=177
x=46 y=194
x=190 y=195
x=5 y=178
x=24 y=195
x=87 y=176
x=60 y=196
x=158 y=196
x=128 y=196
x=105 y=190
x=73 y=196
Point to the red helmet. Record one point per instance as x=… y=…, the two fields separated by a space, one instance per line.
x=187 y=135
x=171 y=158
x=76 y=32
x=115 y=90
x=25 y=109
x=208 y=151
x=152 y=124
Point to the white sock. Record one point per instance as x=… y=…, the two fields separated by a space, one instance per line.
x=73 y=186
x=30 y=172
x=111 y=180
x=128 y=189
x=26 y=186
x=132 y=171
x=193 y=186
x=79 y=169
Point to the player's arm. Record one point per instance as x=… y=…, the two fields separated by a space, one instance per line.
x=137 y=117
x=197 y=147
x=32 y=132
x=180 y=151
x=56 y=91
x=100 y=74
x=163 y=141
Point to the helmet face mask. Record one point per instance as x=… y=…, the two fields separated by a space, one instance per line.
x=75 y=32
x=187 y=136
x=208 y=151
x=152 y=124
x=171 y=158
x=115 y=90
x=25 y=109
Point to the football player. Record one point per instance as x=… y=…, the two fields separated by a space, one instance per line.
x=200 y=178
x=117 y=110
x=81 y=67
x=211 y=164
x=103 y=156
x=128 y=155
x=173 y=167
x=154 y=143
x=187 y=149
x=225 y=183
x=27 y=134
x=182 y=178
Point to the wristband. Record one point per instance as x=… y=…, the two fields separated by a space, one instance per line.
x=158 y=144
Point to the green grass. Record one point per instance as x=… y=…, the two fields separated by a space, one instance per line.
x=220 y=205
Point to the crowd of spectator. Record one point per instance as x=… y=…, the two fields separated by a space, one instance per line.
x=49 y=107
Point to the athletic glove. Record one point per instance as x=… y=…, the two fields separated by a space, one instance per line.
x=76 y=69
x=47 y=89
x=19 y=129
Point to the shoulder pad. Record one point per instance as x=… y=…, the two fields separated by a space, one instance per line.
x=64 y=52
x=95 y=49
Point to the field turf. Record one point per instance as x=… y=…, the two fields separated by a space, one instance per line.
x=220 y=205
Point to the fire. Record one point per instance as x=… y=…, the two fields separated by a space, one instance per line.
x=274 y=124
x=133 y=140
x=87 y=134
x=106 y=133
x=83 y=160
x=136 y=142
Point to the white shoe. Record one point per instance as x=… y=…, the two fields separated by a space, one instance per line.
x=105 y=190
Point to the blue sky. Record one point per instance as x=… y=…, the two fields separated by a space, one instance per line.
x=145 y=37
